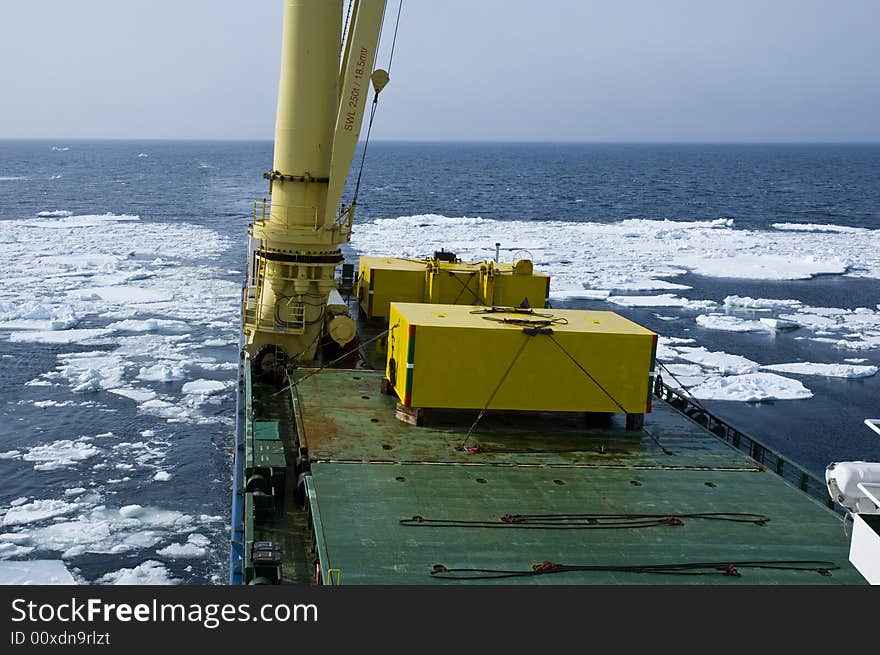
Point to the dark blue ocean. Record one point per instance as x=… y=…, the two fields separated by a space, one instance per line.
x=206 y=190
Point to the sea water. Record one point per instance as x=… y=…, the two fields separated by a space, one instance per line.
x=121 y=266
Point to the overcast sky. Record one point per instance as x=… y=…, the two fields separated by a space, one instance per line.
x=560 y=70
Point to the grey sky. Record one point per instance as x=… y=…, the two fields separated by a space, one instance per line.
x=563 y=70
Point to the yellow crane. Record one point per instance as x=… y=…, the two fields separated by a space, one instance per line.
x=295 y=238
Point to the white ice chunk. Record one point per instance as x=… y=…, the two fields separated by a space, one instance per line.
x=204 y=387
x=38 y=510
x=724 y=363
x=60 y=336
x=779 y=324
x=675 y=341
x=751 y=387
x=139 y=395
x=131 y=511
x=36 y=316
x=728 y=323
x=123 y=294
x=150 y=572
x=683 y=369
x=149 y=325
x=827 y=370
x=764 y=266
x=105 y=530
x=745 y=302
x=35 y=572
x=818 y=227
x=662 y=300
x=53 y=403
x=60 y=454
x=161 y=373
x=195 y=547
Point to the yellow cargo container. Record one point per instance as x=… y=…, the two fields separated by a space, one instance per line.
x=383 y=280
x=510 y=288
x=452 y=356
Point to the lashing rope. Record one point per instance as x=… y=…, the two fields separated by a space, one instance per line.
x=587 y=373
x=684 y=389
x=587 y=521
x=519 y=352
x=725 y=568
x=533 y=328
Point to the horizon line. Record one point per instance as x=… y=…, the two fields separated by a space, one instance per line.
x=454 y=141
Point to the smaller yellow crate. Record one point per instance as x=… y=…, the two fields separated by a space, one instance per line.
x=383 y=280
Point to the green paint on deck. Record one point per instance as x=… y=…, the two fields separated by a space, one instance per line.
x=369 y=471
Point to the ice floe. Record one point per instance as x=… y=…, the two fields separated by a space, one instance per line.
x=150 y=572
x=662 y=300
x=36 y=511
x=35 y=572
x=751 y=387
x=196 y=546
x=99 y=529
x=778 y=324
x=55 y=213
x=817 y=227
x=42 y=404
x=161 y=373
x=36 y=317
x=728 y=323
x=723 y=363
x=148 y=325
x=64 y=453
x=134 y=292
x=59 y=336
x=827 y=370
x=204 y=387
x=765 y=266
x=139 y=395
x=848 y=329
x=757 y=304
x=636 y=252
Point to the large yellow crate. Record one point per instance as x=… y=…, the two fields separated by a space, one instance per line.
x=383 y=280
x=452 y=356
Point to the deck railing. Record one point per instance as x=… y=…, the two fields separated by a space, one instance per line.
x=790 y=471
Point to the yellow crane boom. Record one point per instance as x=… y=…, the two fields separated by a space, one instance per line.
x=295 y=244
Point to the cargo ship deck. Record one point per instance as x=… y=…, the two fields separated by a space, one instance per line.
x=533 y=498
